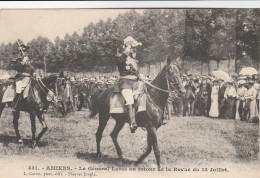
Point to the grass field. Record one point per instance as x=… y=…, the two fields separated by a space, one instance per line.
x=183 y=142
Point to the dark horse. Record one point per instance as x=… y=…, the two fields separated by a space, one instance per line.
x=94 y=91
x=189 y=98
x=151 y=119
x=83 y=94
x=34 y=104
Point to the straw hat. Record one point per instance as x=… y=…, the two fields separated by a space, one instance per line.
x=241 y=82
x=131 y=41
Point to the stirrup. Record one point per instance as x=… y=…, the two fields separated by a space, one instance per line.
x=12 y=104
x=134 y=128
x=14 y=110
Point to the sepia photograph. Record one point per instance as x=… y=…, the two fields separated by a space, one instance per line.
x=144 y=92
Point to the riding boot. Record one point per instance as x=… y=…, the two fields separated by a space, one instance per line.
x=131 y=112
x=16 y=98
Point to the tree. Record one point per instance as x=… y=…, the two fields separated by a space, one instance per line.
x=248 y=34
x=39 y=51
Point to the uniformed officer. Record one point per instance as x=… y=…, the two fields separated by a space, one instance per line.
x=24 y=70
x=128 y=68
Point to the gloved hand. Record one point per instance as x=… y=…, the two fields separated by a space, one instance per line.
x=141 y=76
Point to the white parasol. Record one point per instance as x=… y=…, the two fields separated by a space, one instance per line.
x=248 y=71
x=220 y=74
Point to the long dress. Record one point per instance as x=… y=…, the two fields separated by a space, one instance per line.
x=251 y=106
x=214 y=112
x=230 y=96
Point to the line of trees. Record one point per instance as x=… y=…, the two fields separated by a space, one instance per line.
x=198 y=34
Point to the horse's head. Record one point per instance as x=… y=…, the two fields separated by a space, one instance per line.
x=49 y=81
x=174 y=76
x=60 y=84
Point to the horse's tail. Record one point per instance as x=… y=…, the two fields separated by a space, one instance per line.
x=93 y=113
x=100 y=101
x=94 y=106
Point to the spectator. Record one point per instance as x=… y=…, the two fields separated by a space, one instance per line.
x=214 y=112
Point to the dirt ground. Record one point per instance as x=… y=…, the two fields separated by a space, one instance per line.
x=185 y=143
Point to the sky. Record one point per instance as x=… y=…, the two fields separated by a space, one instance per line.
x=29 y=24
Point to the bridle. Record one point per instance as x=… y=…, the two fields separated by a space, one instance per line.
x=41 y=84
x=60 y=84
x=172 y=92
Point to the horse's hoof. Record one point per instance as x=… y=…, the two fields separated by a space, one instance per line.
x=34 y=144
x=133 y=129
x=36 y=148
x=136 y=163
x=20 y=141
x=121 y=157
x=98 y=155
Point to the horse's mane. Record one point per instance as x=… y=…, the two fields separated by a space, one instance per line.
x=159 y=74
x=47 y=78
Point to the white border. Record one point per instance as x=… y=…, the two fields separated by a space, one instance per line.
x=127 y=4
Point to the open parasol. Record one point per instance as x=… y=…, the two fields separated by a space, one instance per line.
x=248 y=71
x=220 y=74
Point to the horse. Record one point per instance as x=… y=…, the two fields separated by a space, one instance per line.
x=94 y=92
x=81 y=100
x=157 y=94
x=189 y=99
x=65 y=98
x=205 y=98
x=34 y=104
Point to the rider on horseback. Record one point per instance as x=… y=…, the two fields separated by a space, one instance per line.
x=24 y=71
x=128 y=69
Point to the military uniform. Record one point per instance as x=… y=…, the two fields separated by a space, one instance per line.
x=24 y=70
x=128 y=70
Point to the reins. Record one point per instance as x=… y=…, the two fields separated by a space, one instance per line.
x=39 y=81
x=162 y=90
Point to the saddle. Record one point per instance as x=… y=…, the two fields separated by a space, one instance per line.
x=117 y=101
x=9 y=93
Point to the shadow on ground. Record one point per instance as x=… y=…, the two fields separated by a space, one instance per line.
x=6 y=139
x=92 y=158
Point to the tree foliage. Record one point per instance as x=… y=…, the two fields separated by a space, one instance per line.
x=199 y=34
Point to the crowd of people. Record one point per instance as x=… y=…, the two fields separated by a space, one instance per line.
x=237 y=98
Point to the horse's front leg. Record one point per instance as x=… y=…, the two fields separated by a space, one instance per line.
x=103 y=118
x=16 y=115
x=39 y=115
x=118 y=127
x=2 y=106
x=156 y=147
x=148 y=150
x=33 y=127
